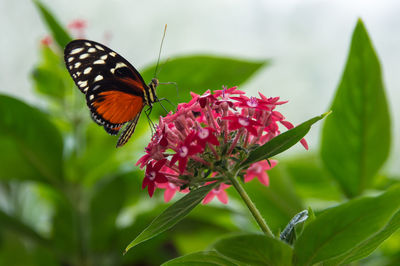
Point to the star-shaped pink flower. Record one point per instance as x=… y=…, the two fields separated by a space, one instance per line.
x=185 y=149
x=258 y=170
x=153 y=175
x=218 y=192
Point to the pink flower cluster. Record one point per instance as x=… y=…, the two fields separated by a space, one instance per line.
x=206 y=137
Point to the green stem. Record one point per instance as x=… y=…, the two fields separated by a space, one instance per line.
x=254 y=211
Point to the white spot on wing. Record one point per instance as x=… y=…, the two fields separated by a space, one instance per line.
x=83 y=56
x=87 y=70
x=99 y=47
x=77 y=64
x=92 y=50
x=113 y=54
x=98 y=78
x=96 y=87
x=99 y=62
x=70 y=67
x=71 y=59
x=82 y=83
x=119 y=65
x=78 y=73
x=91 y=97
x=88 y=43
x=76 y=50
x=85 y=89
x=104 y=57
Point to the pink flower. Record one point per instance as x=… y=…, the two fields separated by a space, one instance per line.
x=206 y=137
x=258 y=170
x=153 y=175
x=184 y=151
x=79 y=27
x=170 y=190
x=218 y=192
x=239 y=121
x=46 y=41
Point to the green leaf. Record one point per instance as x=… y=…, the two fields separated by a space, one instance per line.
x=14 y=224
x=51 y=78
x=369 y=245
x=172 y=215
x=254 y=249
x=310 y=179
x=109 y=196
x=59 y=34
x=32 y=147
x=199 y=73
x=349 y=231
x=203 y=258
x=281 y=142
x=356 y=138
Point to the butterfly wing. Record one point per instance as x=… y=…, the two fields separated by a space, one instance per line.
x=114 y=89
x=128 y=131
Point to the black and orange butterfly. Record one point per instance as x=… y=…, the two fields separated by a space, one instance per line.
x=115 y=91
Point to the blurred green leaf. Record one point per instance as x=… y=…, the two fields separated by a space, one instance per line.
x=109 y=196
x=59 y=34
x=203 y=258
x=349 y=231
x=199 y=73
x=14 y=224
x=281 y=142
x=17 y=252
x=67 y=233
x=356 y=138
x=310 y=178
x=50 y=77
x=32 y=147
x=254 y=249
x=172 y=215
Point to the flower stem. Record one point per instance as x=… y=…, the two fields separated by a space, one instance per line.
x=254 y=211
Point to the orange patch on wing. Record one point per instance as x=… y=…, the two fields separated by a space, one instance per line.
x=118 y=107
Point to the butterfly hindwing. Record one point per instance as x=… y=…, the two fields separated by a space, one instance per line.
x=114 y=89
x=128 y=131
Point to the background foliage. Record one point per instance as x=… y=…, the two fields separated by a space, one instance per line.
x=68 y=197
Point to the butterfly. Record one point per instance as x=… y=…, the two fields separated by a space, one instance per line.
x=115 y=91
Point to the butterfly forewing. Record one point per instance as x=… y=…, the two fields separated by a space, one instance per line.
x=115 y=92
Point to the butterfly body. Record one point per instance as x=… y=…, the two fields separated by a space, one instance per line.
x=115 y=91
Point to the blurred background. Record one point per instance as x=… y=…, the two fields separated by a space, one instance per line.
x=308 y=42
x=91 y=205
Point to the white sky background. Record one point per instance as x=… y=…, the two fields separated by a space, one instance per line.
x=307 y=40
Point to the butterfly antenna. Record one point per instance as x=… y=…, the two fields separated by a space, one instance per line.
x=159 y=52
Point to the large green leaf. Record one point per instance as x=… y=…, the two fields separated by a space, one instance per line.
x=32 y=147
x=203 y=258
x=172 y=215
x=254 y=249
x=199 y=73
x=356 y=138
x=281 y=142
x=349 y=231
x=50 y=76
x=59 y=34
